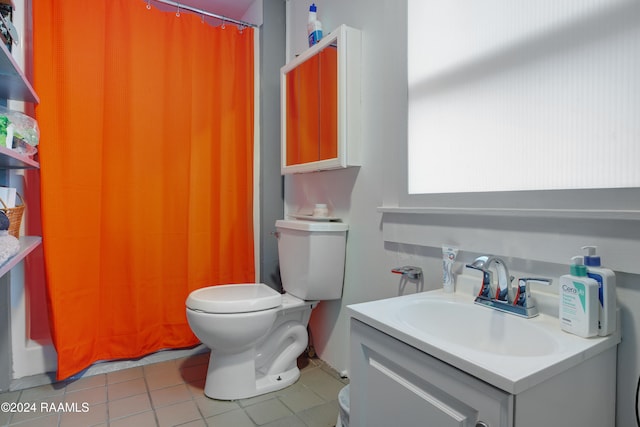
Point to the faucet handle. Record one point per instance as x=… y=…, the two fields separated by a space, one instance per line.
x=523 y=293
x=508 y=294
x=408 y=271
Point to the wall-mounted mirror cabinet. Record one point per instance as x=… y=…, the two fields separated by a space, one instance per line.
x=320 y=102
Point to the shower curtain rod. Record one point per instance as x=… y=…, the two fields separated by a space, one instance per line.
x=223 y=18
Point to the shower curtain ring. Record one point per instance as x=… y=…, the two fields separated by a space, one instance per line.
x=222 y=26
x=148 y=4
x=178 y=11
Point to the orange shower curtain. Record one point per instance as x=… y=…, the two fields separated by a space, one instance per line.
x=147 y=171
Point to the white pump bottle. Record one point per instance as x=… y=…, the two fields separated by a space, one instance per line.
x=606 y=278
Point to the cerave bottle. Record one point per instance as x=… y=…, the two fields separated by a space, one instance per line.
x=578 y=301
x=607 y=299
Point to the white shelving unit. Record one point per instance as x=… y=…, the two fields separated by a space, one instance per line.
x=13 y=83
x=27 y=245
x=15 y=86
x=10 y=159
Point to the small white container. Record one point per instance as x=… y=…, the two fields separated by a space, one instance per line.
x=321 y=210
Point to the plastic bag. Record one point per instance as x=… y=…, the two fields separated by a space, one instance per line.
x=25 y=128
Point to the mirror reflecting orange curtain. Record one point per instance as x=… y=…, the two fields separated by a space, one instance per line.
x=312 y=109
x=147 y=171
x=303 y=125
x=328 y=114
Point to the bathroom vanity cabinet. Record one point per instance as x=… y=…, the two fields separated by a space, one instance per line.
x=320 y=105
x=13 y=86
x=396 y=384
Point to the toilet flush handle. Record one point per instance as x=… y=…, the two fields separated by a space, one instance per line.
x=409 y=271
x=275 y=234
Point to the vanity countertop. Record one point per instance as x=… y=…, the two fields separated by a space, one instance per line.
x=515 y=364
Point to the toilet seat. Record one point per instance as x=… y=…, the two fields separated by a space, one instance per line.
x=236 y=298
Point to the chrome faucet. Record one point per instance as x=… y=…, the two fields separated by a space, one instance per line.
x=504 y=297
x=502 y=292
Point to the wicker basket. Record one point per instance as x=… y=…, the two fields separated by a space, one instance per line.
x=14 y=215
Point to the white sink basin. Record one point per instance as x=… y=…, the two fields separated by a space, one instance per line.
x=478 y=328
x=507 y=351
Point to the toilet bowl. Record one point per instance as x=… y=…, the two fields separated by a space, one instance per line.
x=254 y=344
x=255 y=333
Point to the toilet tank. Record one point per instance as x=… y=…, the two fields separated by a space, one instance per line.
x=312 y=255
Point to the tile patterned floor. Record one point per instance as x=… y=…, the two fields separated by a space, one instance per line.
x=171 y=394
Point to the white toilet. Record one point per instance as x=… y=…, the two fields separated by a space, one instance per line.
x=255 y=333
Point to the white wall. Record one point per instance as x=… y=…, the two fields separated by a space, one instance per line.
x=254 y=13
x=355 y=195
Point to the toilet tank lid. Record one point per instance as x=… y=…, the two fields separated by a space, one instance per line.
x=236 y=298
x=298 y=224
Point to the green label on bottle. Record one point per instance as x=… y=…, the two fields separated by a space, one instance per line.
x=580 y=290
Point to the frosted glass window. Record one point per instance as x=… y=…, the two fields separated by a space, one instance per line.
x=509 y=95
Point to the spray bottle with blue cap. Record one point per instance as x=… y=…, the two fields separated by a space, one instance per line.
x=314 y=27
